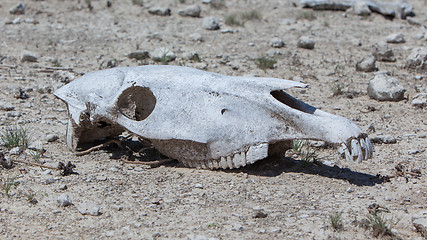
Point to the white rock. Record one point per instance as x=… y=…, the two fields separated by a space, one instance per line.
x=420 y=223
x=190 y=11
x=417 y=59
x=163 y=54
x=89 y=209
x=211 y=23
x=36 y=145
x=18 y=9
x=15 y=151
x=360 y=8
x=395 y=38
x=366 y=64
x=305 y=42
x=63 y=200
x=277 y=42
x=160 y=11
x=51 y=137
x=385 y=88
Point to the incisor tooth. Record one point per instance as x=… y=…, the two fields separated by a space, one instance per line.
x=364 y=148
x=369 y=147
x=346 y=152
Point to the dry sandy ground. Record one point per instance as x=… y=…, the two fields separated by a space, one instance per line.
x=274 y=198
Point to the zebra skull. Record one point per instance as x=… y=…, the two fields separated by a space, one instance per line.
x=202 y=119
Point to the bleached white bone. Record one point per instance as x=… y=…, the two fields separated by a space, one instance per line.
x=202 y=119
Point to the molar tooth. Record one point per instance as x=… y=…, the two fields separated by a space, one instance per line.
x=239 y=159
x=346 y=152
x=230 y=162
x=256 y=152
x=209 y=163
x=223 y=163
x=215 y=163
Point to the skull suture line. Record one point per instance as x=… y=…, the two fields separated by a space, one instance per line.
x=202 y=119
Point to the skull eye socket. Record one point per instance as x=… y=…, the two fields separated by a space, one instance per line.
x=136 y=103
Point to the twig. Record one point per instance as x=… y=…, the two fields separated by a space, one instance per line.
x=52 y=69
x=35 y=164
x=7 y=66
x=151 y=163
x=98 y=147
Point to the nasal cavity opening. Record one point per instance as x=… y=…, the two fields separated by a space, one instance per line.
x=292 y=102
x=136 y=103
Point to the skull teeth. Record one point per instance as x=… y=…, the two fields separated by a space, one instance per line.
x=237 y=160
x=358 y=149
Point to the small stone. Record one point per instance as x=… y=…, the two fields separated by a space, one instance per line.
x=305 y=42
x=89 y=208
x=190 y=11
x=27 y=56
x=51 y=137
x=138 y=169
x=63 y=200
x=160 y=11
x=274 y=230
x=206 y=1
x=277 y=42
x=18 y=9
x=46 y=172
x=36 y=146
x=156 y=235
x=63 y=76
x=395 y=38
x=49 y=181
x=162 y=55
x=6 y=106
x=211 y=23
x=62 y=187
x=383 y=52
x=197 y=37
x=417 y=59
x=237 y=227
x=194 y=56
x=387 y=139
x=385 y=88
x=139 y=55
x=350 y=190
x=198 y=185
x=101 y=178
x=414 y=151
x=15 y=151
x=360 y=8
x=420 y=100
x=413 y=21
x=260 y=214
x=366 y=64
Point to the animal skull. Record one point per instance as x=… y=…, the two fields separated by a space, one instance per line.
x=202 y=119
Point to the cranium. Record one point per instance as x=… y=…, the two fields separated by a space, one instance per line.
x=202 y=119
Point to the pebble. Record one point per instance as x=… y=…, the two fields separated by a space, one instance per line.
x=417 y=59
x=49 y=181
x=89 y=208
x=414 y=151
x=36 y=145
x=274 y=230
x=18 y=9
x=27 y=56
x=63 y=187
x=211 y=23
x=163 y=54
x=360 y=8
x=395 y=38
x=63 y=76
x=385 y=88
x=305 y=42
x=63 y=200
x=101 y=178
x=138 y=169
x=237 y=227
x=198 y=185
x=51 y=137
x=190 y=11
x=413 y=21
x=420 y=100
x=138 y=55
x=6 y=106
x=160 y=11
x=350 y=190
x=383 y=52
x=15 y=151
x=366 y=64
x=46 y=172
x=196 y=37
x=277 y=42
x=387 y=139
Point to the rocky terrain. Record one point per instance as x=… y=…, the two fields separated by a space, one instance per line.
x=362 y=65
